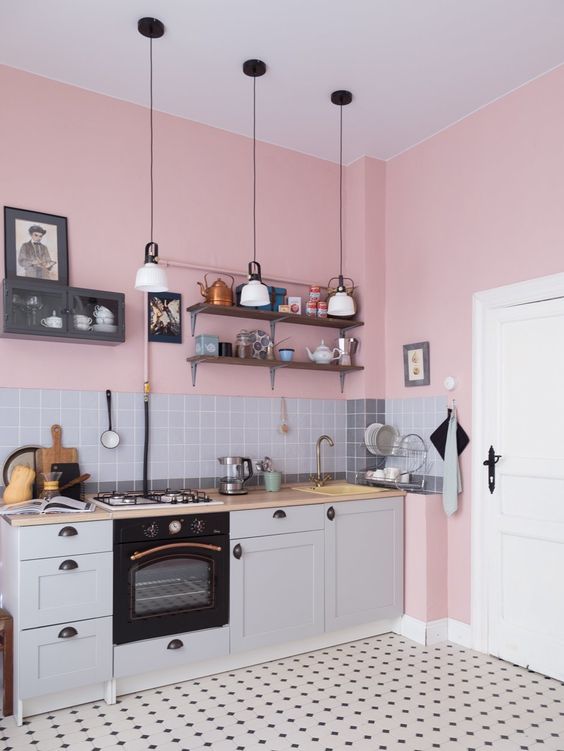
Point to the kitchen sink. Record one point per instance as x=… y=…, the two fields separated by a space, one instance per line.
x=344 y=488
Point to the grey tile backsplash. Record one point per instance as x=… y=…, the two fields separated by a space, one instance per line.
x=188 y=433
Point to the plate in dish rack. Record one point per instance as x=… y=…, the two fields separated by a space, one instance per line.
x=259 y=344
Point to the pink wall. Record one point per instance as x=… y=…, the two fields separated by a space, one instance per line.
x=475 y=207
x=67 y=151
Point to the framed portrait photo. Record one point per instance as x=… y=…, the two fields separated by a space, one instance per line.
x=35 y=246
x=164 y=317
x=416 y=366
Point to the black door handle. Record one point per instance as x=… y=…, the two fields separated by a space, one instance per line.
x=490 y=463
x=68 y=632
x=175 y=644
x=68 y=532
x=330 y=513
x=279 y=514
x=237 y=551
x=68 y=565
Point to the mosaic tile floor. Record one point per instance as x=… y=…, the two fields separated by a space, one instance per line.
x=380 y=694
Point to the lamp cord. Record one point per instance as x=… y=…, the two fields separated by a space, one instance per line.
x=254 y=171
x=151 y=125
x=341 y=193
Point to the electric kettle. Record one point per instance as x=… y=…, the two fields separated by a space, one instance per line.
x=233 y=482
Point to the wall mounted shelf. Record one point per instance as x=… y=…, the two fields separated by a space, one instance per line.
x=273 y=317
x=272 y=365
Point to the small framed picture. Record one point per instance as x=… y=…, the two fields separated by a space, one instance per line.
x=35 y=246
x=416 y=368
x=295 y=305
x=165 y=320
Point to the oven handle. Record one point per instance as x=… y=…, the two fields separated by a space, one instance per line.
x=137 y=556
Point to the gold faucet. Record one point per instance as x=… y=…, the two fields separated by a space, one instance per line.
x=320 y=479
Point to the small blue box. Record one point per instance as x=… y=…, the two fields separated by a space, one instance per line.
x=207 y=344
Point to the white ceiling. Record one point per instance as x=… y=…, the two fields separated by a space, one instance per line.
x=414 y=66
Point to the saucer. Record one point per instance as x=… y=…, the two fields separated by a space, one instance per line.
x=105 y=328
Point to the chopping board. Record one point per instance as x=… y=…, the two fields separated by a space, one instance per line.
x=56 y=454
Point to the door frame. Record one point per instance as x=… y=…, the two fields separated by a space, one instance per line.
x=483 y=303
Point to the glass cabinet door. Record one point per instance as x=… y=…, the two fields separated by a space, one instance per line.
x=33 y=308
x=96 y=315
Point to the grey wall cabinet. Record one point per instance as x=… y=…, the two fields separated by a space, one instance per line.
x=363 y=562
x=276 y=589
x=85 y=315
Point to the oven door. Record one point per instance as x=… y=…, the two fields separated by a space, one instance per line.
x=166 y=587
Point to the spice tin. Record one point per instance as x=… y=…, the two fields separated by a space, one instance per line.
x=322 y=309
x=311 y=308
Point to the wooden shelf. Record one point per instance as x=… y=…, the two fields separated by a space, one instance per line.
x=272 y=365
x=273 y=317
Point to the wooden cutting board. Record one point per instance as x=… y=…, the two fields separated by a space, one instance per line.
x=55 y=455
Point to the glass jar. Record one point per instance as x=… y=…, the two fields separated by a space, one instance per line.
x=243 y=344
x=50 y=485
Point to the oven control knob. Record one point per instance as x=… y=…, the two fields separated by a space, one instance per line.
x=151 y=530
x=197 y=526
x=174 y=527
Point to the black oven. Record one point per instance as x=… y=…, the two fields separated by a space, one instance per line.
x=171 y=574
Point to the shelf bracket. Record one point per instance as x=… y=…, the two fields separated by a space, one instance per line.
x=193 y=319
x=194 y=369
x=273 y=331
x=273 y=369
x=342 y=376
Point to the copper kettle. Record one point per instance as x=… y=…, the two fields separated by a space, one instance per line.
x=218 y=293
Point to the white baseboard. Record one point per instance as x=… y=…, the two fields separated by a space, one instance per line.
x=460 y=633
x=435 y=632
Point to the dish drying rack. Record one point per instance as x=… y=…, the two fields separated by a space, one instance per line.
x=409 y=453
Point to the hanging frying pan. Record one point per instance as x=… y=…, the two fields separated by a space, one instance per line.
x=109 y=438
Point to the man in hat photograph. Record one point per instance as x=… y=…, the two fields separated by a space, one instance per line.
x=34 y=256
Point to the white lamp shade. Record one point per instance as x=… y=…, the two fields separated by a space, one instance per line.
x=151 y=278
x=341 y=304
x=255 y=294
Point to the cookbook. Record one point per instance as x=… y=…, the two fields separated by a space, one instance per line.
x=59 y=504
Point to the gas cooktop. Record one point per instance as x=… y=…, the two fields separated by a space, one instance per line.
x=154 y=499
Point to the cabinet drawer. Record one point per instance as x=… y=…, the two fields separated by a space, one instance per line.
x=49 y=540
x=66 y=589
x=54 y=658
x=269 y=521
x=160 y=654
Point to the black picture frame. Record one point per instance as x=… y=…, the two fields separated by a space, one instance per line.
x=164 y=317
x=47 y=260
x=416 y=364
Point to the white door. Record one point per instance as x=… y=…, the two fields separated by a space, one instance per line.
x=522 y=414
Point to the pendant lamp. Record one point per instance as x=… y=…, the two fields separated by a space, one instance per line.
x=341 y=303
x=254 y=293
x=151 y=277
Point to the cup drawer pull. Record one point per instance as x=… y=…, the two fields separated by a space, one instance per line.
x=68 y=565
x=280 y=514
x=175 y=644
x=68 y=532
x=68 y=632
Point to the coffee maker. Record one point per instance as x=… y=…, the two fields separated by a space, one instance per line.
x=233 y=482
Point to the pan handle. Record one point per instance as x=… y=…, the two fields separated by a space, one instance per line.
x=109 y=400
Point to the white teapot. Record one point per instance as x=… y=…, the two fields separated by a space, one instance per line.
x=323 y=355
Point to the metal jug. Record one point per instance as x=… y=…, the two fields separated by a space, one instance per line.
x=219 y=293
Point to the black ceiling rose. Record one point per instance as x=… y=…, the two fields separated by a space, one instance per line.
x=341 y=97
x=151 y=27
x=254 y=68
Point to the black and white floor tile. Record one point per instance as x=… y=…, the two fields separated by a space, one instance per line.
x=380 y=694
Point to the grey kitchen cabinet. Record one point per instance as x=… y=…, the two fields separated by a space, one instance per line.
x=276 y=583
x=57 y=585
x=27 y=303
x=363 y=561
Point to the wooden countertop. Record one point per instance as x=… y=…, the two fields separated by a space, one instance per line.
x=256 y=498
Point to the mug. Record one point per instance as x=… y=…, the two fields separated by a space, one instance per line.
x=83 y=327
x=286 y=355
x=52 y=322
x=105 y=319
x=80 y=319
x=225 y=349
